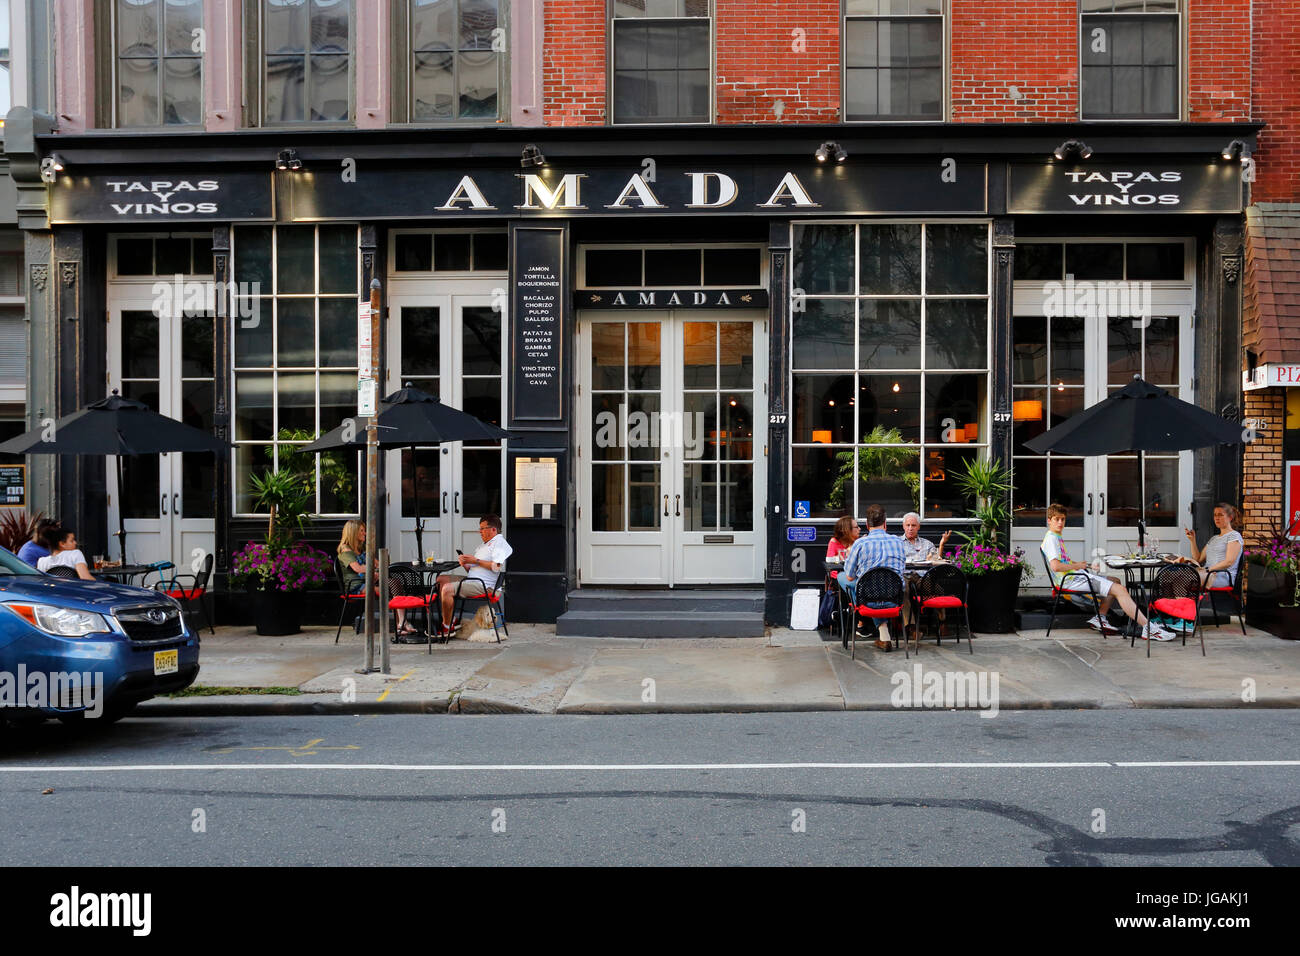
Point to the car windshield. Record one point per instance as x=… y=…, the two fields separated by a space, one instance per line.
x=10 y=564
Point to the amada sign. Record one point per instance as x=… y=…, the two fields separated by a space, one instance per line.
x=161 y=197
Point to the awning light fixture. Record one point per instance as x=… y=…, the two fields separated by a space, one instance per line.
x=1072 y=147
x=830 y=149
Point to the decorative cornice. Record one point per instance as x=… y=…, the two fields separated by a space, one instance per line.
x=40 y=275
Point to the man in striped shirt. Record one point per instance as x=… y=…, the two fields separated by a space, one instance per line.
x=875 y=549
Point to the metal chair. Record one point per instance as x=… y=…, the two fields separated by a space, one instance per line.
x=943 y=588
x=346 y=596
x=495 y=598
x=1234 y=591
x=878 y=594
x=1178 y=594
x=196 y=592
x=406 y=587
x=63 y=571
x=1059 y=591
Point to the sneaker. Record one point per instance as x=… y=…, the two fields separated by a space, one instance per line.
x=1154 y=632
x=1099 y=623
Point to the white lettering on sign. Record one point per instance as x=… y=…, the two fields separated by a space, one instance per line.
x=467 y=191
x=727 y=190
x=538 y=195
x=638 y=186
x=1124 y=181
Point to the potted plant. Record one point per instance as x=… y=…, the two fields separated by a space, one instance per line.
x=277 y=571
x=893 y=473
x=993 y=575
x=1273 y=583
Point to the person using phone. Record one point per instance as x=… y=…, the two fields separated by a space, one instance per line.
x=478 y=573
x=1221 y=554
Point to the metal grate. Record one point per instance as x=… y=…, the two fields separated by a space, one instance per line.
x=152 y=624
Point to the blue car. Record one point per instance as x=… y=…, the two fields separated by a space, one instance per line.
x=77 y=649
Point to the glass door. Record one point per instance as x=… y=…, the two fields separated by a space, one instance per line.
x=168 y=500
x=451 y=345
x=670 y=469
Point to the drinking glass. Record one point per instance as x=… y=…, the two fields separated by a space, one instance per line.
x=99 y=561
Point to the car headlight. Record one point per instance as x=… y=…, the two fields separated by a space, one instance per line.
x=61 y=621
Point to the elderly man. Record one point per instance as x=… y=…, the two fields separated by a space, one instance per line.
x=483 y=570
x=875 y=549
x=916 y=548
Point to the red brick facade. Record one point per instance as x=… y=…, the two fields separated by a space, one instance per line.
x=1218 y=68
x=778 y=52
x=1262 y=464
x=1031 y=45
x=573 y=63
x=1277 y=100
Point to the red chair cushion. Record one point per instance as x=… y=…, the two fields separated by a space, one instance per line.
x=352 y=596
x=880 y=611
x=187 y=595
x=403 y=602
x=943 y=600
x=1226 y=588
x=1182 y=608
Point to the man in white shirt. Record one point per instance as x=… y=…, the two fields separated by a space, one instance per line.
x=482 y=570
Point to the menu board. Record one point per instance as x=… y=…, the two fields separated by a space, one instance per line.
x=13 y=486
x=536 y=492
x=537 y=322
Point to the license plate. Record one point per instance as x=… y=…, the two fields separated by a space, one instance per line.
x=166 y=662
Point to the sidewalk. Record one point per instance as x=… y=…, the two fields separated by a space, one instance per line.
x=536 y=672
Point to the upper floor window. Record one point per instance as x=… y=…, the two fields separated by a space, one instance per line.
x=455 y=61
x=1129 y=50
x=893 y=60
x=307 y=61
x=661 y=60
x=157 y=62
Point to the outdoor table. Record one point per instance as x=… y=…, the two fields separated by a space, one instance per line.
x=125 y=573
x=1135 y=576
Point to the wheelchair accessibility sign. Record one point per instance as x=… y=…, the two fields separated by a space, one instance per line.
x=802 y=509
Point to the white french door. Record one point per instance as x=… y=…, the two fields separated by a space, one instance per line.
x=1066 y=363
x=447 y=340
x=672 y=475
x=168 y=501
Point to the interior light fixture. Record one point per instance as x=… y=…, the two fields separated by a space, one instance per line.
x=56 y=162
x=531 y=156
x=1234 y=150
x=1072 y=147
x=288 y=159
x=896 y=387
x=829 y=150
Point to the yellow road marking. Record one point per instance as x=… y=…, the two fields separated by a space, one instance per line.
x=396 y=682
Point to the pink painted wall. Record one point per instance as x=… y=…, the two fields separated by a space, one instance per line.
x=373 y=32
x=525 y=37
x=222 y=65
x=74 y=66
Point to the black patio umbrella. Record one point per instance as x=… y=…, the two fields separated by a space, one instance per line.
x=411 y=418
x=1139 y=417
x=114 y=426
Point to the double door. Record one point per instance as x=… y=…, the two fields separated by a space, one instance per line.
x=450 y=343
x=672 y=475
x=1064 y=364
x=168 y=501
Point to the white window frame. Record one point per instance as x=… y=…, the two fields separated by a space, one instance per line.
x=945 y=67
x=1181 y=44
x=612 y=68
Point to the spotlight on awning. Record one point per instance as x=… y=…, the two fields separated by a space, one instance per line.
x=1072 y=147
x=830 y=149
x=1234 y=150
x=531 y=156
x=288 y=159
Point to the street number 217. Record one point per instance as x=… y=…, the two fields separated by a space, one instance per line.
x=776 y=419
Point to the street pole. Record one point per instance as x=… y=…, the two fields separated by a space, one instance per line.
x=372 y=474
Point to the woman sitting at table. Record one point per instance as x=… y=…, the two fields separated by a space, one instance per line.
x=1221 y=553
x=66 y=555
x=842 y=538
x=352 y=563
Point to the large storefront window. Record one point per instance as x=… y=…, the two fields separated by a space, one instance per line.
x=890 y=358
x=294 y=337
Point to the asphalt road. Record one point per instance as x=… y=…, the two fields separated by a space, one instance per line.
x=941 y=788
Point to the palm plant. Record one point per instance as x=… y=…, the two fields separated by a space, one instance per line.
x=990 y=484
x=288 y=500
x=877 y=461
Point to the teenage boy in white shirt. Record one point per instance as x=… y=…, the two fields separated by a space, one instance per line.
x=1081 y=579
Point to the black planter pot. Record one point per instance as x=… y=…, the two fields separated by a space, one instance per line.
x=991 y=599
x=1269 y=597
x=276 y=612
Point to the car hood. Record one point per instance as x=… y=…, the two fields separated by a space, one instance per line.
x=83 y=595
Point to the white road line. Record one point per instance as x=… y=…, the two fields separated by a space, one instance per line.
x=624 y=767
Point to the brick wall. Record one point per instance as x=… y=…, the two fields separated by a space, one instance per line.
x=1218 y=63
x=1262 y=463
x=573 y=63
x=1277 y=100
x=1031 y=45
x=770 y=53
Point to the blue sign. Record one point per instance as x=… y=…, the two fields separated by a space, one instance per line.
x=803 y=509
x=801 y=534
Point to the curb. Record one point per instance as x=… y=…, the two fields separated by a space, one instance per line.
x=283 y=706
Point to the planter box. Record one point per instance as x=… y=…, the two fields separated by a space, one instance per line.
x=1268 y=598
x=992 y=600
x=276 y=613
